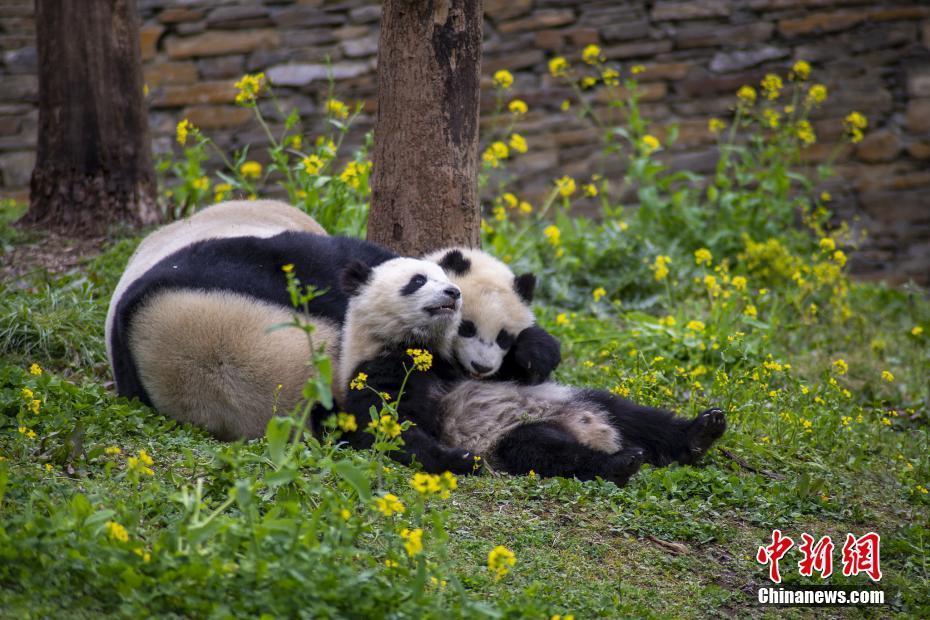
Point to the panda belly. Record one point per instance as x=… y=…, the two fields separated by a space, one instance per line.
x=208 y=358
x=477 y=414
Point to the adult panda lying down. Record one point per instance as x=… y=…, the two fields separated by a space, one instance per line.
x=187 y=329
x=552 y=429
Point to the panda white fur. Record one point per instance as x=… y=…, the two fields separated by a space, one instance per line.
x=192 y=336
x=553 y=429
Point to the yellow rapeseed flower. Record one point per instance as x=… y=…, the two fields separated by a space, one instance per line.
x=590 y=190
x=855 y=123
x=26 y=393
x=500 y=150
x=116 y=531
x=249 y=87
x=251 y=169
x=660 y=267
x=840 y=367
x=558 y=66
x=772 y=117
x=566 y=186
x=637 y=69
x=739 y=283
x=816 y=94
x=746 y=95
x=389 y=505
x=561 y=319
x=312 y=164
x=650 y=143
x=887 y=376
x=220 y=191
x=503 y=79
x=34 y=406
x=917 y=330
x=525 y=207
x=591 y=54
x=35 y=369
x=387 y=426
x=839 y=257
x=346 y=422
x=703 y=256
x=716 y=125
x=751 y=311
x=359 y=382
x=800 y=71
x=337 y=109
x=183 y=129
x=695 y=326
x=611 y=77
x=598 y=293
x=518 y=107
x=588 y=82
x=113 y=450
x=827 y=244
x=805 y=133
x=413 y=541
x=667 y=321
x=422 y=359
x=500 y=561
x=771 y=86
x=517 y=143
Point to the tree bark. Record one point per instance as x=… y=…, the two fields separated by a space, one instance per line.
x=424 y=185
x=93 y=161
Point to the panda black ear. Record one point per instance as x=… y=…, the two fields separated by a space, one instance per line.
x=454 y=262
x=524 y=286
x=355 y=275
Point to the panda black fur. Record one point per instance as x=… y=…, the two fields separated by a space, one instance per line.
x=187 y=328
x=552 y=429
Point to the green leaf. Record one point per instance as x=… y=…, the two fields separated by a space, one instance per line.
x=355 y=477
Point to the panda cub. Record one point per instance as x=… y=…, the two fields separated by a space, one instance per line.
x=552 y=429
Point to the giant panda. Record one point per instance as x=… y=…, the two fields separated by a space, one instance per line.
x=552 y=429
x=188 y=333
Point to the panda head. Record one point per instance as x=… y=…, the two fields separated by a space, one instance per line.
x=495 y=308
x=403 y=300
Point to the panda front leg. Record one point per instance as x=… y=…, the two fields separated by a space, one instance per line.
x=663 y=436
x=549 y=450
x=420 y=447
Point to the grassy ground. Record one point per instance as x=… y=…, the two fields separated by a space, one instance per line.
x=280 y=529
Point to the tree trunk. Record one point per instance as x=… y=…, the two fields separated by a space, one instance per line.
x=424 y=186
x=93 y=161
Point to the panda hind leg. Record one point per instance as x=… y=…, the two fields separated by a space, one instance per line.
x=549 y=450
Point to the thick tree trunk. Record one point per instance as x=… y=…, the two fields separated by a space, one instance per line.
x=424 y=188
x=93 y=162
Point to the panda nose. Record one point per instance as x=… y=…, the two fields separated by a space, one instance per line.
x=479 y=368
x=453 y=292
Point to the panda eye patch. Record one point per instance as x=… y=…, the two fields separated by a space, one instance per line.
x=504 y=340
x=415 y=283
x=467 y=329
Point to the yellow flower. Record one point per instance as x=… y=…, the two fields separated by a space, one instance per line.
x=500 y=560
x=288 y=268
x=34 y=406
x=805 y=133
x=35 y=369
x=526 y=207
x=500 y=150
x=855 y=123
x=503 y=79
x=703 y=256
x=413 y=541
x=116 y=531
x=565 y=105
x=751 y=311
x=346 y=422
x=917 y=330
x=771 y=118
x=220 y=191
x=800 y=71
x=825 y=196
x=250 y=86
x=500 y=214
x=203 y=183
x=771 y=86
x=840 y=367
x=887 y=376
x=816 y=94
x=389 y=505
x=739 y=283
x=113 y=450
x=337 y=109
x=637 y=69
x=598 y=293
x=141 y=464
x=611 y=77
x=387 y=426
x=650 y=143
x=561 y=319
x=839 y=257
x=660 y=267
x=695 y=326
x=422 y=359
x=345 y=514
x=26 y=393
x=591 y=54
x=358 y=383
x=558 y=66
x=510 y=200
x=590 y=190
x=251 y=169
x=553 y=234
x=922 y=489
x=566 y=186
x=715 y=125
x=295 y=141
x=517 y=143
x=827 y=244
x=313 y=164
x=518 y=107
x=184 y=128
x=667 y=321
x=746 y=95
x=588 y=82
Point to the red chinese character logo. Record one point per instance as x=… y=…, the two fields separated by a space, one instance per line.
x=861 y=555
x=773 y=553
x=817 y=557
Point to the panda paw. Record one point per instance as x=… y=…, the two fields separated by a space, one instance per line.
x=705 y=429
x=459 y=462
x=537 y=353
x=622 y=465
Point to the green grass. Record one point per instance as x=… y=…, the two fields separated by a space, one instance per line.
x=250 y=529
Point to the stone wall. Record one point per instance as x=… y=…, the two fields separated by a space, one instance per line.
x=873 y=56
